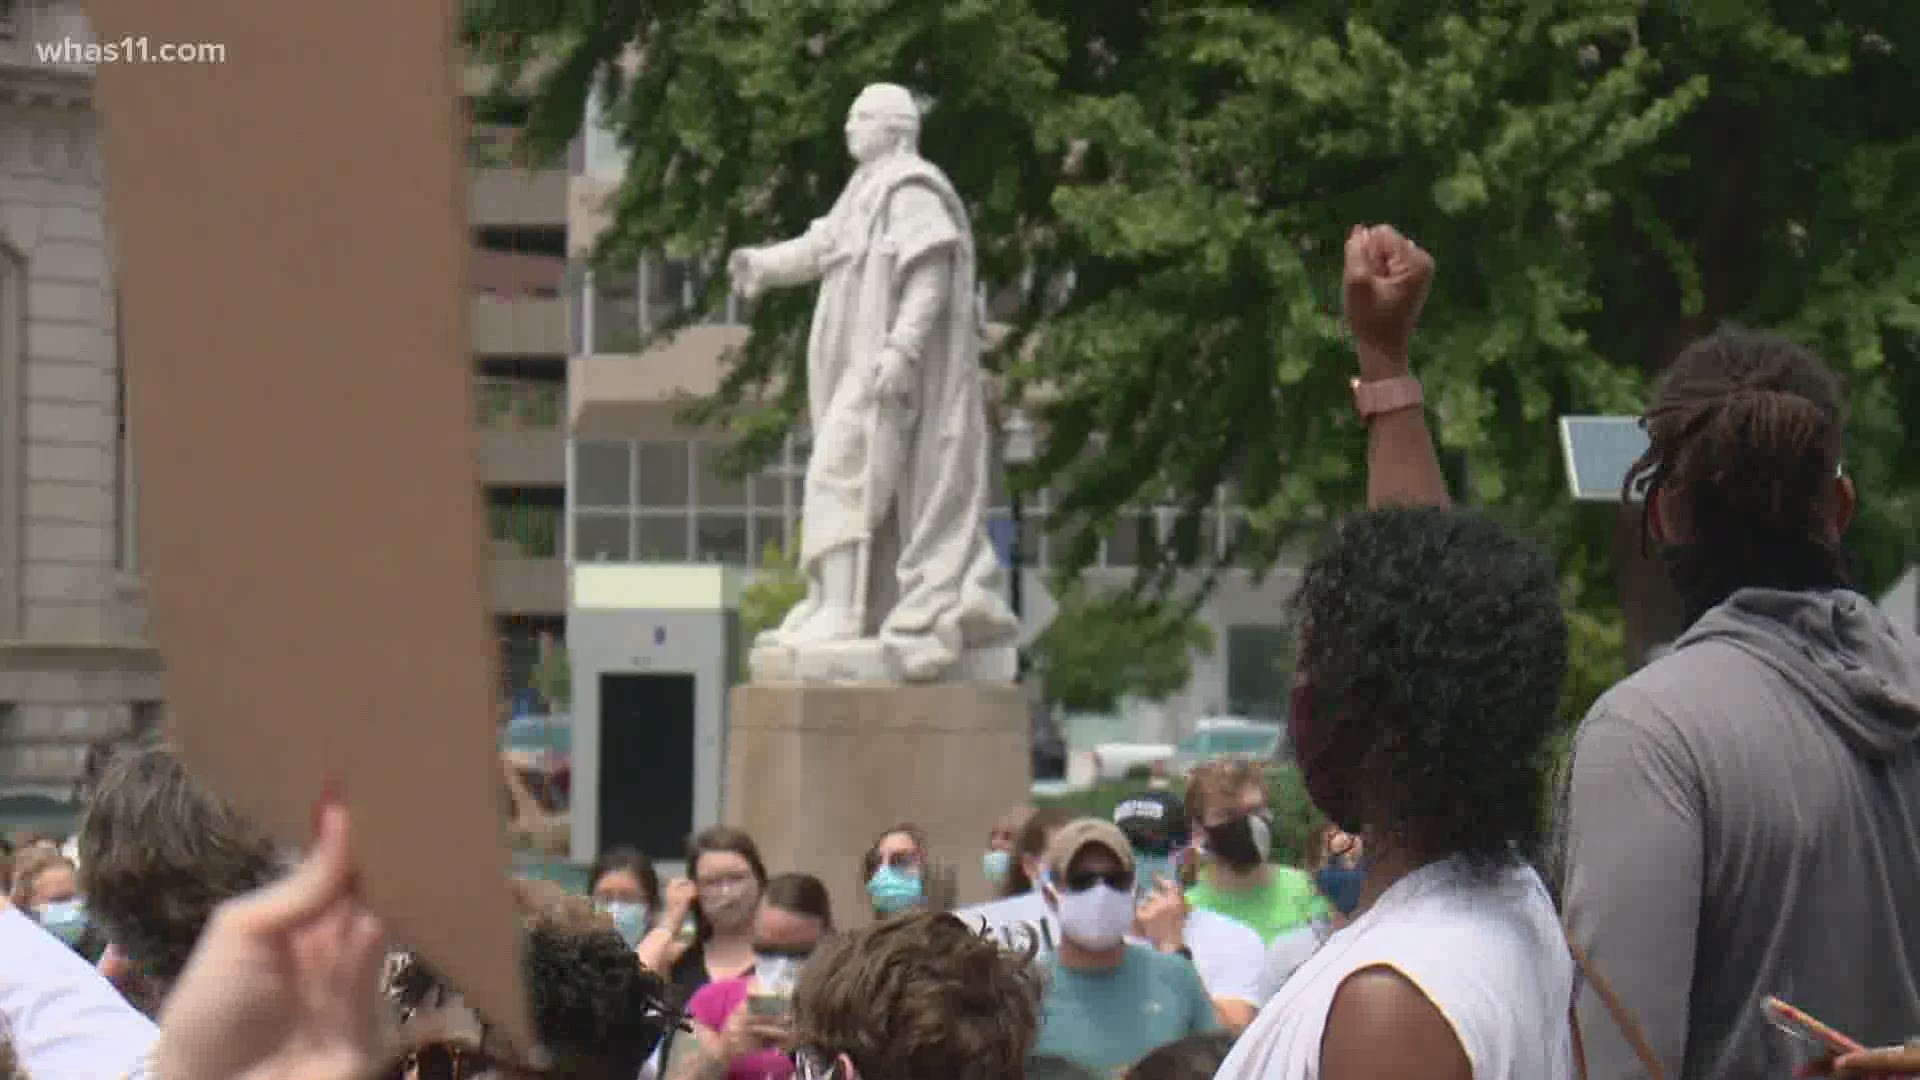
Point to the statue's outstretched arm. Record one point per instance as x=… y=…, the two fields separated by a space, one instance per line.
x=798 y=261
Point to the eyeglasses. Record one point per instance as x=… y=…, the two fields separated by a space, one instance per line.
x=444 y=1063
x=898 y=860
x=725 y=883
x=1082 y=880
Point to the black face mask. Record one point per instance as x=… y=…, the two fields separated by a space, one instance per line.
x=1695 y=577
x=1243 y=842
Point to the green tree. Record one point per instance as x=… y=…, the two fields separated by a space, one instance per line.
x=1102 y=646
x=774 y=591
x=553 y=678
x=1163 y=188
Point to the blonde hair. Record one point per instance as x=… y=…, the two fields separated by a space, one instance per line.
x=1213 y=782
x=27 y=868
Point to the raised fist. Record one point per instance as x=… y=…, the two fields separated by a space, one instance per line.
x=1385 y=286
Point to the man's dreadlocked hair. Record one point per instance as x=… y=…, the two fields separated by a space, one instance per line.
x=1746 y=434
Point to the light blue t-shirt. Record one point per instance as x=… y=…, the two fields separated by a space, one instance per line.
x=1110 y=1019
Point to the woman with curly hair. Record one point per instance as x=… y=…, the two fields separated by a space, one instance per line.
x=1432 y=651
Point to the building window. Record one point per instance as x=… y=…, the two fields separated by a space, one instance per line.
x=719 y=486
x=525 y=642
x=661 y=537
x=722 y=538
x=676 y=501
x=9 y=20
x=666 y=480
x=126 y=495
x=604 y=157
x=600 y=536
x=148 y=717
x=13 y=316
x=615 y=323
x=1259 y=670
x=603 y=475
x=520 y=394
x=524 y=523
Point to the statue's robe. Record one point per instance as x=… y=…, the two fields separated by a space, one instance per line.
x=895 y=262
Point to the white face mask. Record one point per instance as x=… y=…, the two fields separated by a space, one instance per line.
x=1096 y=919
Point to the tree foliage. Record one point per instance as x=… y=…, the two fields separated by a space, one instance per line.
x=776 y=589
x=1102 y=646
x=1162 y=190
x=553 y=678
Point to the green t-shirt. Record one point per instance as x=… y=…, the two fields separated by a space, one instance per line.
x=1108 y=1020
x=1288 y=900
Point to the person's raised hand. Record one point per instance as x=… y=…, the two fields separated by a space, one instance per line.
x=747 y=1032
x=1162 y=917
x=681 y=895
x=284 y=983
x=1884 y=1063
x=1383 y=288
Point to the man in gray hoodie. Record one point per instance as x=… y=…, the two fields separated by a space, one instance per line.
x=1742 y=817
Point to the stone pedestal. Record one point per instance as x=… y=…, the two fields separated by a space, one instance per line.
x=815 y=772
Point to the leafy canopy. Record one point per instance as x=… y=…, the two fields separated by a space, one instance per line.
x=1102 y=646
x=1164 y=187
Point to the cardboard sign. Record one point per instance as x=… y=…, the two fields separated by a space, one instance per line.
x=291 y=228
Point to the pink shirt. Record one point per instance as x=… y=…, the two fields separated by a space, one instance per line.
x=712 y=1005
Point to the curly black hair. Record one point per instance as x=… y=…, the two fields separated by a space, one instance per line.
x=598 y=1011
x=1443 y=633
x=1745 y=435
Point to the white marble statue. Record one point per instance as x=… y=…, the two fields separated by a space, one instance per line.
x=902 y=581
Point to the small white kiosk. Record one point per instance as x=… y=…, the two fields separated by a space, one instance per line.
x=654 y=650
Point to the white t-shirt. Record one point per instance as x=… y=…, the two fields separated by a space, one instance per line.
x=1288 y=952
x=1226 y=952
x=65 y=1019
x=1489 y=955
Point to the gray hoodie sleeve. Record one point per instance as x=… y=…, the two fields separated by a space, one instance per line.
x=1635 y=852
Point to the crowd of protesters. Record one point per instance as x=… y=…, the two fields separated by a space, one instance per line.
x=1739 y=822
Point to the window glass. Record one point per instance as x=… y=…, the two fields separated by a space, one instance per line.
x=721 y=538
x=663 y=475
x=603 y=153
x=603 y=475
x=602 y=537
x=717 y=486
x=663 y=538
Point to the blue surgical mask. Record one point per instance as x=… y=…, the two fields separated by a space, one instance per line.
x=629 y=917
x=1341 y=886
x=997 y=865
x=64 y=919
x=893 y=891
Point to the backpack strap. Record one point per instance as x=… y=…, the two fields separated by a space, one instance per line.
x=1583 y=969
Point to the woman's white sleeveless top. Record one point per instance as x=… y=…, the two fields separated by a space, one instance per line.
x=1490 y=955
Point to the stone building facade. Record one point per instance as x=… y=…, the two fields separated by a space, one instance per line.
x=77 y=659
